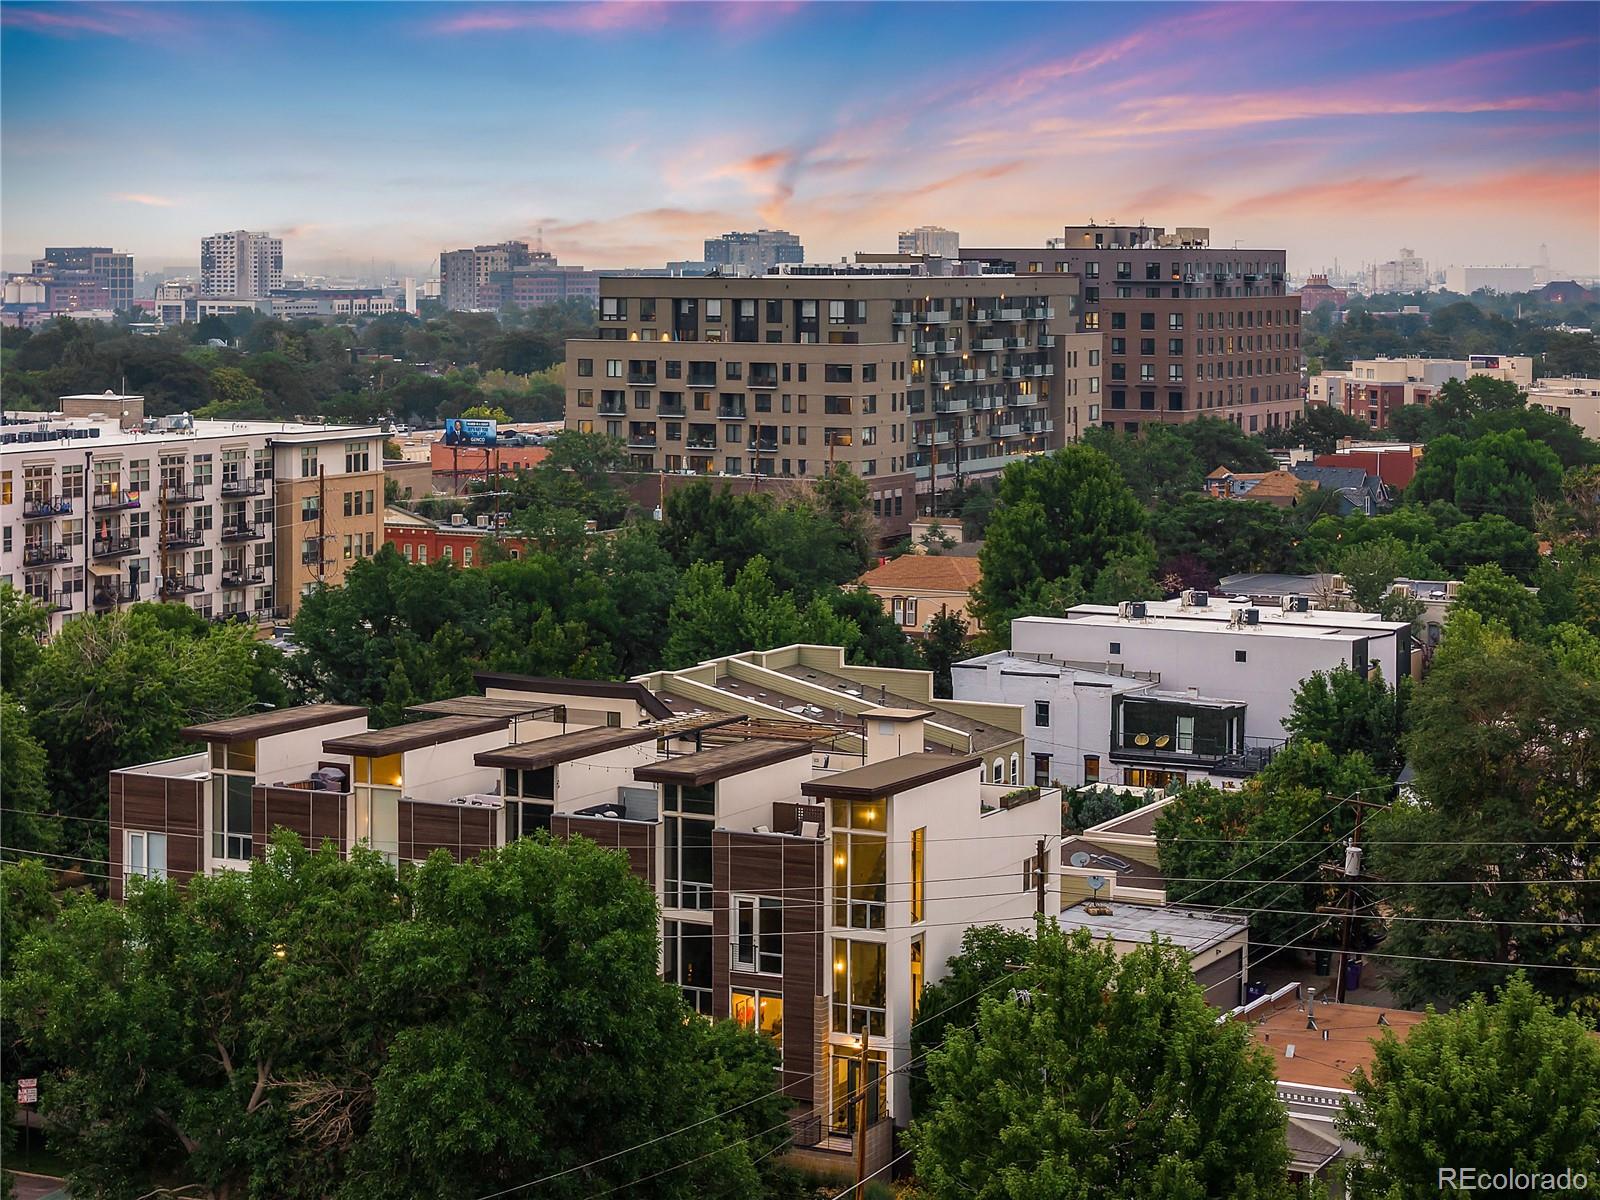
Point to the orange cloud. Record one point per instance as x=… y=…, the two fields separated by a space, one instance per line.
x=143 y=198
x=1558 y=189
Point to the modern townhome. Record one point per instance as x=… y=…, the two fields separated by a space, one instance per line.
x=914 y=380
x=102 y=506
x=1159 y=693
x=814 y=870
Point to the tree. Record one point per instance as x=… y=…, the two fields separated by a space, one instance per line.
x=1370 y=568
x=943 y=643
x=1019 y=1107
x=25 y=823
x=1502 y=744
x=1319 y=430
x=487 y=412
x=1225 y=536
x=24 y=624
x=1347 y=711
x=1217 y=443
x=317 y=1026
x=1498 y=598
x=710 y=618
x=879 y=642
x=1062 y=517
x=1502 y=1085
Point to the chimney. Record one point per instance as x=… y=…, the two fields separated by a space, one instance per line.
x=891 y=732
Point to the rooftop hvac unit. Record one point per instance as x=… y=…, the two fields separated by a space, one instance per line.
x=458 y=519
x=483 y=520
x=1336 y=583
x=1236 y=619
x=1195 y=598
x=1125 y=609
x=1137 y=609
x=1252 y=616
x=1297 y=604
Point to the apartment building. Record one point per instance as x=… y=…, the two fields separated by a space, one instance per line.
x=753 y=253
x=464 y=275
x=1370 y=389
x=102 y=507
x=1160 y=693
x=1190 y=329
x=913 y=380
x=241 y=265
x=1575 y=398
x=110 y=269
x=931 y=240
x=813 y=875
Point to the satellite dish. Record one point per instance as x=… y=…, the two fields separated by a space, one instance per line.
x=1096 y=882
x=1079 y=859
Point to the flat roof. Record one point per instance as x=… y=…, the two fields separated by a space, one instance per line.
x=1141 y=822
x=891 y=776
x=708 y=766
x=265 y=724
x=1190 y=928
x=597 y=739
x=611 y=689
x=1264 y=629
x=1351 y=1029
x=1044 y=666
x=983 y=734
x=1106 y=860
x=481 y=706
x=397 y=739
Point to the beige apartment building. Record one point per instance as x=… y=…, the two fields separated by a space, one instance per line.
x=913 y=380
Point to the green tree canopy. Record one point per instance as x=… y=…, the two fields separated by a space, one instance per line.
x=1062 y=518
x=1349 y=711
x=1498 y=598
x=1502 y=1085
x=1020 y=1106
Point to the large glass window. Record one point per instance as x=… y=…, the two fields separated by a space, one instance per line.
x=233 y=775
x=860 y=984
x=847 y=1085
x=860 y=864
x=919 y=839
x=686 y=961
x=758 y=934
x=917 y=977
x=147 y=855
x=688 y=818
x=758 y=1010
x=376 y=811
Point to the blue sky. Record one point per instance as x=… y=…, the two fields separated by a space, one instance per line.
x=629 y=132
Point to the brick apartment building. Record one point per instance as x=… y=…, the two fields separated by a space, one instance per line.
x=1190 y=329
x=914 y=380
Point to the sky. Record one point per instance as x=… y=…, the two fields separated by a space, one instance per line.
x=624 y=134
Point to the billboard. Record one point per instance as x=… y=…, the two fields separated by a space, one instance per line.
x=469 y=431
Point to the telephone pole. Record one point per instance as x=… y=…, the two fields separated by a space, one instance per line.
x=1352 y=872
x=1040 y=874
x=861 y=1109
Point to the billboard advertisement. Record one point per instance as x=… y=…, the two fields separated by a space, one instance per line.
x=469 y=431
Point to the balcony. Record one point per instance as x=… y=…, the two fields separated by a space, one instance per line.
x=182 y=585
x=180 y=538
x=671 y=408
x=182 y=494
x=972 y=375
x=43 y=508
x=1024 y=399
x=1039 y=314
x=952 y=404
x=763 y=380
x=1047 y=341
x=905 y=318
x=1031 y=428
x=936 y=346
x=993 y=343
x=105 y=500
x=642 y=440
x=701 y=444
x=113 y=547
x=1040 y=370
x=1005 y=429
x=1009 y=314
x=1011 y=372
x=728 y=412
x=244 y=487
x=613 y=408
x=43 y=554
x=238 y=577
x=243 y=531
x=642 y=379
x=939 y=437
x=113 y=593
x=1014 y=343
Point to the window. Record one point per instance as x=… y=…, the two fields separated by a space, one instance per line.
x=1041 y=713
x=998 y=773
x=147 y=855
x=686 y=961
x=1115 y=648
x=918 y=977
x=758 y=934
x=586 y=367
x=688 y=819
x=1041 y=770
x=919 y=839
x=1091 y=768
x=860 y=864
x=233 y=775
x=758 y=1010
x=1238 y=656
x=860 y=986
x=1016 y=773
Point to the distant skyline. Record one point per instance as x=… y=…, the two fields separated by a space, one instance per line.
x=628 y=133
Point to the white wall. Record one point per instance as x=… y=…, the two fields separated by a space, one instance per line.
x=291 y=757
x=586 y=782
x=445 y=771
x=745 y=801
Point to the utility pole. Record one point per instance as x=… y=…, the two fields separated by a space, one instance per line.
x=861 y=1109
x=1352 y=872
x=1039 y=877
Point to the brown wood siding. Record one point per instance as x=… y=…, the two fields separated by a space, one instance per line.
x=317 y=816
x=790 y=869
x=157 y=804
x=464 y=832
x=637 y=839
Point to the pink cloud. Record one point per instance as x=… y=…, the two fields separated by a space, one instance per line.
x=141 y=22
x=144 y=198
x=1569 y=189
x=599 y=17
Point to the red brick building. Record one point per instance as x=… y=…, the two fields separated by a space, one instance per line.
x=422 y=541
x=1396 y=465
x=456 y=466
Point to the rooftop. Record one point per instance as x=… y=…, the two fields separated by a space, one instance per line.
x=545 y=685
x=891 y=776
x=108 y=432
x=397 y=739
x=1195 y=931
x=983 y=735
x=1013 y=662
x=925 y=572
x=252 y=726
x=1326 y=1055
x=1107 y=861
x=709 y=766
x=597 y=739
x=1141 y=822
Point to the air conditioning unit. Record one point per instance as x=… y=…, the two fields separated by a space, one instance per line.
x=1252 y=616
x=1296 y=604
x=483 y=520
x=1236 y=619
x=1336 y=583
x=1139 y=610
x=1194 y=598
x=1125 y=609
x=1451 y=587
x=458 y=519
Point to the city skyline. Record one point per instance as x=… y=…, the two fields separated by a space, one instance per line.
x=389 y=133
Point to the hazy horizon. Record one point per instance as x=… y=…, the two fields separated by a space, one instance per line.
x=627 y=133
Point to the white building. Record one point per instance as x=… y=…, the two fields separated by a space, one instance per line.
x=102 y=507
x=1467 y=280
x=243 y=265
x=1576 y=399
x=1408 y=273
x=931 y=239
x=1164 y=692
